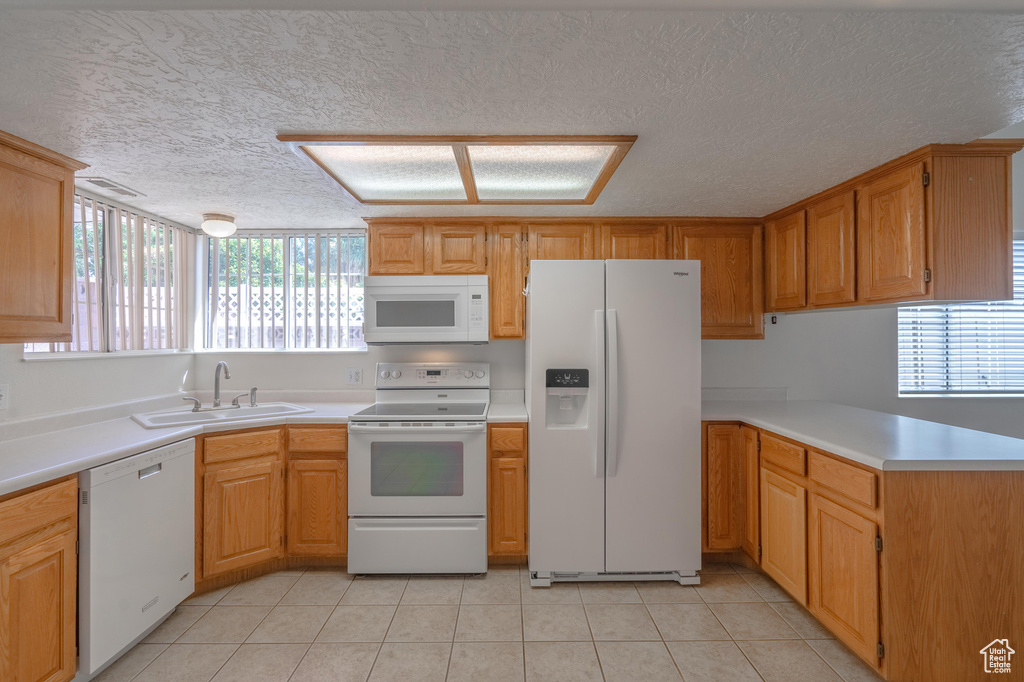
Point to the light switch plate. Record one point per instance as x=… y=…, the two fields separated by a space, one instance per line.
x=353 y=376
x=5 y=396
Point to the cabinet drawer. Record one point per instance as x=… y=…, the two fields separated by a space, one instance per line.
x=318 y=439
x=37 y=509
x=242 y=445
x=782 y=454
x=849 y=481
x=508 y=439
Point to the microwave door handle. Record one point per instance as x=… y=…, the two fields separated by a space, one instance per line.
x=612 y=400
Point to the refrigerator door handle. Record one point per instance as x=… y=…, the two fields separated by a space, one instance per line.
x=597 y=390
x=612 y=399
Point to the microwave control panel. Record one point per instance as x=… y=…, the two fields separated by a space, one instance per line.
x=477 y=310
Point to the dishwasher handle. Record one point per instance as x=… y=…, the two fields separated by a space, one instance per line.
x=151 y=470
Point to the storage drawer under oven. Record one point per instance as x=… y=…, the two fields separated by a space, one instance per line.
x=417 y=545
x=431 y=469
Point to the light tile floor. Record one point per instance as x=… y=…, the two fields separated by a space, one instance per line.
x=318 y=625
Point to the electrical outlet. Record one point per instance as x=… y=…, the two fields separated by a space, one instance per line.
x=353 y=376
x=5 y=396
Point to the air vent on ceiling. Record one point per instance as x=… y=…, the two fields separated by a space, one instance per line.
x=112 y=187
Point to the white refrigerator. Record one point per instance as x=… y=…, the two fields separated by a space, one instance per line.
x=613 y=396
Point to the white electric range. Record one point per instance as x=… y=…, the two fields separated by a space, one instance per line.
x=417 y=484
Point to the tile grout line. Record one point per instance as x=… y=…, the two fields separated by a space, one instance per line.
x=310 y=646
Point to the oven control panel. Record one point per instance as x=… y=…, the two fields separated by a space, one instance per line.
x=433 y=374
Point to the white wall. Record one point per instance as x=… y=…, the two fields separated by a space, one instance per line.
x=849 y=357
x=40 y=387
x=325 y=370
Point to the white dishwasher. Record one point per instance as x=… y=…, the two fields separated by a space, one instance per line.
x=137 y=549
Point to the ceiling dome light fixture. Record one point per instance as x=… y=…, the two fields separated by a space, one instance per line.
x=218 y=224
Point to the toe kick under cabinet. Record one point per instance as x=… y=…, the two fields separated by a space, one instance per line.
x=915 y=571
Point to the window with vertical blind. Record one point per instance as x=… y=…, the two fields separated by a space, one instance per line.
x=131 y=279
x=968 y=349
x=293 y=290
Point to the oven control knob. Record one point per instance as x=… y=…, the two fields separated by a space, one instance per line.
x=468 y=374
x=385 y=374
x=479 y=374
x=397 y=373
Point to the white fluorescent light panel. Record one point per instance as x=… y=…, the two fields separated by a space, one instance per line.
x=545 y=172
x=394 y=172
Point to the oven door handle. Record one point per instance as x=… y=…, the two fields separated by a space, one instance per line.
x=375 y=428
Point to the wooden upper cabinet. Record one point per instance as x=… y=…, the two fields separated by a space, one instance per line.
x=784 y=533
x=396 y=249
x=634 y=241
x=507 y=269
x=843 y=576
x=732 y=304
x=723 y=487
x=36 y=242
x=751 y=489
x=831 y=252
x=785 y=262
x=562 y=241
x=457 y=249
x=891 y=242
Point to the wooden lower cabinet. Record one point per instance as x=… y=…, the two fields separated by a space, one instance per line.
x=317 y=495
x=843 y=574
x=506 y=490
x=243 y=515
x=38 y=583
x=751 y=543
x=784 y=533
x=723 y=488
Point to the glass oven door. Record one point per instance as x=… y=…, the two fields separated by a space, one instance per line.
x=431 y=469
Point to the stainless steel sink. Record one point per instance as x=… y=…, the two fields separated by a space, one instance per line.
x=185 y=416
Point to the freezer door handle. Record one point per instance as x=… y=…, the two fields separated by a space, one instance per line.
x=612 y=401
x=597 y=403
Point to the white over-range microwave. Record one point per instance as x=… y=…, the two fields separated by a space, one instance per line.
x=425 y=309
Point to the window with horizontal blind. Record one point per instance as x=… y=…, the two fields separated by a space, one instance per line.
x=965 y=349
x=289 y=291
x=131 y=274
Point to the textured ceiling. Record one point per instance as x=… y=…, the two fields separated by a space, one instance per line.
x=736 y=113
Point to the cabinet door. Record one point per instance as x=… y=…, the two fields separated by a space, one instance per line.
x=784 y=533
x=243 y=516
x=396 y=249
x=844 y=575
x=831 y=245
x=732 y=305
x=633 y=241
x=723 y=464
x=751 y=488
x=318 y=507
x=891 y=246
x=785 y=262
x=506 y=509
x=457 y=249
x=36 y=252
x=506 y=494
x=561 y=242
x=507 y=281
x=37 y=611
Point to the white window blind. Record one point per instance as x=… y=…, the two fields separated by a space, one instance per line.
x=131 y=273
x=965 y=349
x=296 y=290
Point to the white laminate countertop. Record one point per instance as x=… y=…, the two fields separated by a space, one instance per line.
x=884 y=441
x=28 y=461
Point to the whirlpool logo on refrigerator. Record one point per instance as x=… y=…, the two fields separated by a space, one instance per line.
x=681 y=274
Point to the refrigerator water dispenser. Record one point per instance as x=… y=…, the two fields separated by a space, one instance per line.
x=567 y=393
